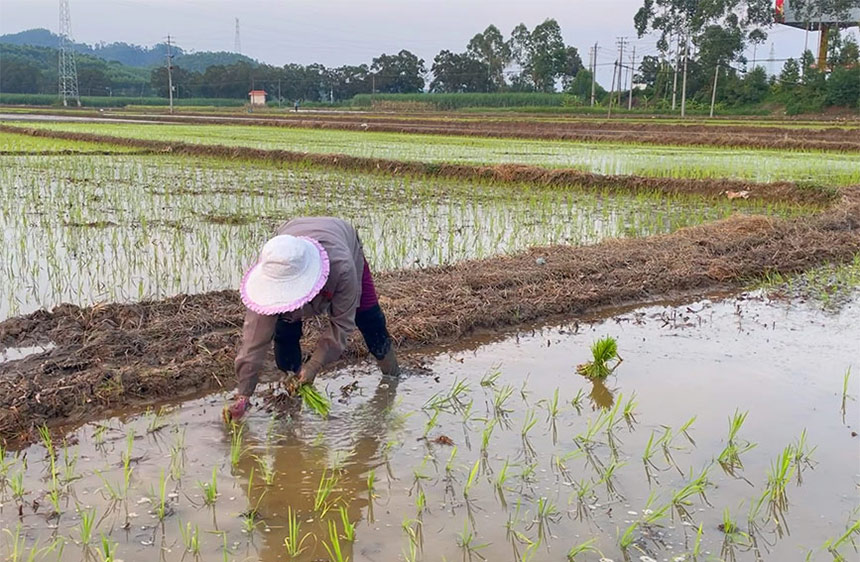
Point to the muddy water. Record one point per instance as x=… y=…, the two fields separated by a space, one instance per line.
x=782 y=364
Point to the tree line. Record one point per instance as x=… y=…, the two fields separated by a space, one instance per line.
x=709 y=39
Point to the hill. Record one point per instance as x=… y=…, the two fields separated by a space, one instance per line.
x=128 y=54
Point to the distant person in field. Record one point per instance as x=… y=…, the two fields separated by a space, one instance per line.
x=296 y=106
x=313 y=266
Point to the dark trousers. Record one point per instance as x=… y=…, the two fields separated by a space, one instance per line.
x=370 y=322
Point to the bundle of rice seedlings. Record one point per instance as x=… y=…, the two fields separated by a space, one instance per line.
x=603 y=351
x=314 y=400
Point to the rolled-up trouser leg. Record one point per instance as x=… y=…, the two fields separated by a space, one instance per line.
x=371 y=324
x=287 y=342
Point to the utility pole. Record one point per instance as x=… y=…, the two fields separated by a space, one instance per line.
x=620 y=65
x=169 y=74
x=684 y=81
x=279 y=93
x=632 y=71
x=68 y=71
x=612 y=89
x=237 y=41
x=714 y=91
x=677 y=66
x=593 y=71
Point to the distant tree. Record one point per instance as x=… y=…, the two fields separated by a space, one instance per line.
x=348 y=81
x=182 y=82
x=649 y=69
x=746 y=19
x=459 y=72
x=542 y=56
x=490 y=48
x=790 y=76
x=843 y=86
x=402 y=73
x=571 y=66
x=93 y=81
x=754 y=86
x=580 y=86
x=19 y=77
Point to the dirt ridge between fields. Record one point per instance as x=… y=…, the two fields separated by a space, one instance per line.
x=118 y=355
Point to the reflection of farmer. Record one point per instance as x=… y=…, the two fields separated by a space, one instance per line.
x=314 y=266
x=299 y=466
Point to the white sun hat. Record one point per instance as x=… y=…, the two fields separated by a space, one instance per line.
x=290 y=272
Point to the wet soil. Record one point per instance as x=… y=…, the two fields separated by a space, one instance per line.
x=112 y=355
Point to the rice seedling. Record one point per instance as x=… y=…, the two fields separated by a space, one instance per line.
x=500 y=397
x=802 y=456
x=577 y=401
x=582 y=549
x=266 y=467
x=695 y=487
x=86 y=526
x=328 y=482
x=626 y=540
x=472 y=479
x=730 y=457
x=630 y=411
x=209 y=490
x=236 y=449
x=848 y=537
x=603 y=351
x=70 y=461
x=18 y=550
x=413 y=529
x=486 y=434
x=335 y=552
x=845 y=394
x=107 y=550
x=314 y=400
x=294 y=542
x=16 y=485
x=466 y=540
x=157 y=419
x=452 y=400
x=490 y=378
x=371 y=482
x=160 y=498
x=190 y=538
x=697 y=544
x=778 y=476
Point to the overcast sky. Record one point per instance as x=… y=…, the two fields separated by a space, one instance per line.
x=336 y=32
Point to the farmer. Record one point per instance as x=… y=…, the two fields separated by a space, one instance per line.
x=313 y=266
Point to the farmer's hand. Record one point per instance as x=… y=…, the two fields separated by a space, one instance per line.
x=235 y=411
x=308 y=373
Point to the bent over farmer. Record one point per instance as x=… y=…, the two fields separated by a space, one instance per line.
x=313 y=266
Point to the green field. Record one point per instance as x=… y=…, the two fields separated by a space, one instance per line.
x=11 y=142
x=84 y=229
x=827 y=168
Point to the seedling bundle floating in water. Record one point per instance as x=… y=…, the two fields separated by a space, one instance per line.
x=603 y=351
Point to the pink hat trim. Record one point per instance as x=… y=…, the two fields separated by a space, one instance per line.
x=296 y=304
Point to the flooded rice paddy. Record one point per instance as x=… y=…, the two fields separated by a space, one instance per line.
x=496 y=450
x=85 y=229
x=826 y=168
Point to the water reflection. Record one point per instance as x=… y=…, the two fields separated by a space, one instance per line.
x=601 y=396
x=299 y=466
